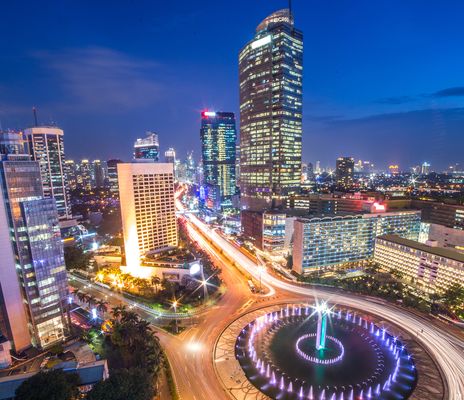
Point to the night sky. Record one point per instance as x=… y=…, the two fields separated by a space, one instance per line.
x=383 y=80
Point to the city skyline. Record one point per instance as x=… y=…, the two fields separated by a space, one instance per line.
x=368 y=86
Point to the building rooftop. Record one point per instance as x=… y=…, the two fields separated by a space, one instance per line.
x=438 y=251
x=280 y=16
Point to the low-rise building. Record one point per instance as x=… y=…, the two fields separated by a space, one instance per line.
x=426 y=266
x=323 y=242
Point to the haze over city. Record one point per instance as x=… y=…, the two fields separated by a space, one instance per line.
x=387 y=72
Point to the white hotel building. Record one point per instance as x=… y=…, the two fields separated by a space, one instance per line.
x=146 y=192
x=428 y=267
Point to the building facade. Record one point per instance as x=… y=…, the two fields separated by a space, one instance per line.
x=428 y=267
x=12 y=142
x=112 y=166
x=147 y=148
x=170 y=156
x=146 y=193
x=271 y=107
x=344 y=172
x=35 y=242
x=46 y=146
x=218 y=143
x=341 y=240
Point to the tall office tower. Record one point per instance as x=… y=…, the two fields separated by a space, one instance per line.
x=271 y=108
x=46 y=146
x=425 y=168
x=85 y=169
x=218 y=140
x=317 y=169
x=99 y=172
x=12 y=142
x=146 y=193
x=147 y=148
x=71 y=171
x=170 y=156
x=32 y=257
x=113 y=175
x=344 y=172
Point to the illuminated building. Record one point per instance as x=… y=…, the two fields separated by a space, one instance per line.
x=112 y=166
x=344 y=172
x=85 y=175
x=72 y=173
x=46 y=146
x=271 y=93
x=394 y=169
x=336 y=241
x=428 y=267
x=147 y=148
x=170 y=156
x=425 y=168
x=218 y=141
x=32 y=258
x=99 y=173
x=146 y=193
x=12 y=142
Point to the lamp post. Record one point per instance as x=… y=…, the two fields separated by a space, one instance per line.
x=175 y=312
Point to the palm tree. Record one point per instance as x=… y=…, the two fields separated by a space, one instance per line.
x=156 y=281
x=76 y=292
x=91 y=300
x=118 y=311
x=82 y=297
x=102 y=306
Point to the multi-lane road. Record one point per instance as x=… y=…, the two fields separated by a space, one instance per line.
x=446 y=348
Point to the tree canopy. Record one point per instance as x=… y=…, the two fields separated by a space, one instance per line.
x=54 y=385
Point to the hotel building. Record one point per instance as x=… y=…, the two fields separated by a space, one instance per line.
x=146 y=193
x=147 y=148
x=341 y=240
x=271 y=108
x=430 y=268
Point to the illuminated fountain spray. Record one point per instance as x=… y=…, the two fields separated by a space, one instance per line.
x=321 y=334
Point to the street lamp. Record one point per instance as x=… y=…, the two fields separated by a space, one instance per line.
x=174 y=304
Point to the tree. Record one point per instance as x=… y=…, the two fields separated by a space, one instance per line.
x=50 y=385
x=102 y=306
x=156 y=281
x=454 y=296
x=75 y=258
x=118 y=311
x=133 y=384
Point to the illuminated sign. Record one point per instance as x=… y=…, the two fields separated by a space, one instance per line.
x=261 y=42
x=379 y=207
x=208 y=114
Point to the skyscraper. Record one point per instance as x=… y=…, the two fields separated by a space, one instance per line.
x=113 y=175
x=271 y=108
x=46 y=146
x=170 y=156
x=12 y=142
x=218 y=144
x=99 y=172
x=344 y=172
x=72 y=172
x=85 y=175
x=147 y=148
x=37 y=267
x=146 y=192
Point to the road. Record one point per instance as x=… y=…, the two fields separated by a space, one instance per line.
x=446 y=348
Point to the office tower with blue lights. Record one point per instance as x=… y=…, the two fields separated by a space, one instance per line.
x=112 y=172
x=46 y=146
x=218 y=145
x=147 y=148
x=33 y=279
x=271 y=108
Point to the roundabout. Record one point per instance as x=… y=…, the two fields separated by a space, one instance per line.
x=305 y=351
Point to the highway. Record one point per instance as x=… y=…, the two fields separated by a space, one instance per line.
x=446 y=348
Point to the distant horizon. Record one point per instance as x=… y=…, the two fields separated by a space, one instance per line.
x=382 y=82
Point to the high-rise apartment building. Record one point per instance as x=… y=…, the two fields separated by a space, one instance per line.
x=334 y=241
x=72 y=173
x=425 y=168
x=146 y=192
x=271 y=108
x=147 y=148
x=218 y=144
x=37 y=268
x=99 y=173
x=344 y=172
x=85 y=175
x=112 y=166
x=47 y=147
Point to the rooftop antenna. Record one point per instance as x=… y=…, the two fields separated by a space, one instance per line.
x=290 y=7
x=34 y=111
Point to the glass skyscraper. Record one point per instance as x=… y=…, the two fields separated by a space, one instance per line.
x=35 y=241
x=147 y=148
x=46 y=146
x=218 y=143
x=271 y=96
